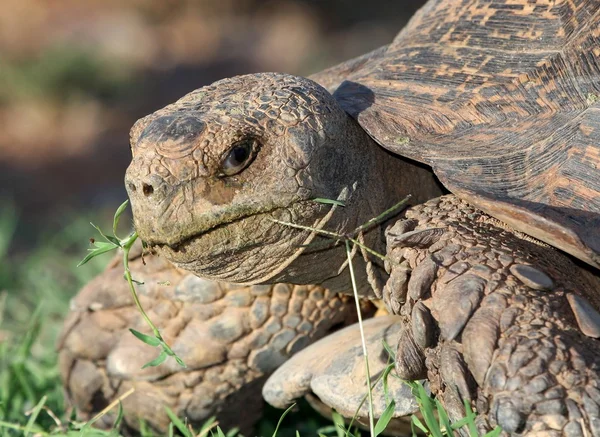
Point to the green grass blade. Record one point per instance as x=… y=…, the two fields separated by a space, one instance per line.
x=206 y=426
x=329 y=201
x=471 y=416
x=494 y=432
x=414 y=420
x=444 y=420
x=427 y=406
x=119 y=418
x=34 y=415
x=385 y=418
x=281 y=418
x=384 y=380
x=338 y=421
x=178 y=423
x=232 y=432
x=389 y=350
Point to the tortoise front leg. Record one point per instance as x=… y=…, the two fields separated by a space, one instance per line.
x=497 y=318
x=230 y=337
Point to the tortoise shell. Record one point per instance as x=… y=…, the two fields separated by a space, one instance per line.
x=502 y=99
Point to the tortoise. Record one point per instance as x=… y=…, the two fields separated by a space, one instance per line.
x=488 y=114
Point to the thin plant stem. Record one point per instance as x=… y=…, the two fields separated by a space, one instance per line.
x=362 y=338
x=112 y=405
x=309 y=228
x=126 y=248
x=383 y=216
x=367 y=248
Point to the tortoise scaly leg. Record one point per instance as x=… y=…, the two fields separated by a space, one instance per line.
x=230 y=337
x=494 y=317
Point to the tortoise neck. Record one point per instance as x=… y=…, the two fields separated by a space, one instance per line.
x=381 y=180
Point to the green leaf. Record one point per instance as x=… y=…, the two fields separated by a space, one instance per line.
x=148 y=339
x=156 y=361
x=104 y=245
x=329 y=201
x=107 y=237
x=220 y=432
x=385 y=418
x=118 y=213
x=297 y=433
x=177 y=422
x=94 y=253
x=281 y=419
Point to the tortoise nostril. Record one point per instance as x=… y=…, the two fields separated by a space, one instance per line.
x=132 y=187
x=147 y=189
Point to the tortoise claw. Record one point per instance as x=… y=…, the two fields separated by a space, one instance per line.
x=456 y=302
x=514 y=322
x=423 y=325
x=588 y=318
x=410 y=361
x=421 y=238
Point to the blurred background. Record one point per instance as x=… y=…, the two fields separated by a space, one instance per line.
x=74 y=77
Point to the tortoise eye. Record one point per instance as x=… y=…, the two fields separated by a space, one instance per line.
x=238 y=157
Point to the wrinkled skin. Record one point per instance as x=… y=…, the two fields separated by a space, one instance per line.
x=201 y=214
x=495 y=317
x=211 y=172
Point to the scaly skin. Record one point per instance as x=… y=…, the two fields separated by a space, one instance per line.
x=480 y=330
x=189 y=208
x=230 y=337
x=211 y=172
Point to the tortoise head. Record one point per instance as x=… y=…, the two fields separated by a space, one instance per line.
x=211 y=172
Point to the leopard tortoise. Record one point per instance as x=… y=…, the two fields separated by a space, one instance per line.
x=488 y=113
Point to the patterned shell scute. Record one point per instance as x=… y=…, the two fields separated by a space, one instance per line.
x=502 y=99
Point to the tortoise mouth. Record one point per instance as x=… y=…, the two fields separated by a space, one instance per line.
x=249 y=248
x=180 y=245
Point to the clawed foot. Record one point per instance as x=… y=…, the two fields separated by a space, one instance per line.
x=495 y=318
